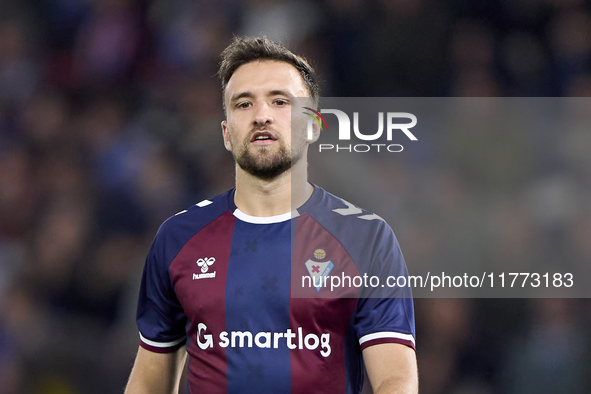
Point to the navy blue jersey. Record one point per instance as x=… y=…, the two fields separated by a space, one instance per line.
x=251 y=297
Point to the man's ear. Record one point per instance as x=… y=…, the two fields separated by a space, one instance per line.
x=226 y=135
x=315 y=133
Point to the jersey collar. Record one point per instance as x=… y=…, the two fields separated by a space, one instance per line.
x=264 y=219
x=316 y=195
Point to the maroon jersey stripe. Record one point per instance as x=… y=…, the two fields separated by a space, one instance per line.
x=320 y=370
x=202 y=293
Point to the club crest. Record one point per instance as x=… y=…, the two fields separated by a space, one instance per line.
x=319 y=270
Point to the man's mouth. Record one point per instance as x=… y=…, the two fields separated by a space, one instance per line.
x=262 y=138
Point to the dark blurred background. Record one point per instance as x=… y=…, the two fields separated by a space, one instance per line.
x=109 y=123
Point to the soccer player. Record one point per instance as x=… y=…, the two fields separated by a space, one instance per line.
x=220 y=277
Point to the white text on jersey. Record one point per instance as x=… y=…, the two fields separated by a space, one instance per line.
x=265 y=339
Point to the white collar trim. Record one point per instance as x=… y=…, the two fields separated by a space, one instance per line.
x=267 y=219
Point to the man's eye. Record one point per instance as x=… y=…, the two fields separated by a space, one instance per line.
x=281 y=102
x=244 y=104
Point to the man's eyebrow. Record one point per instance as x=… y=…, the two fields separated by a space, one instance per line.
x=240 y=95
x=276 y=92
x=280 y=93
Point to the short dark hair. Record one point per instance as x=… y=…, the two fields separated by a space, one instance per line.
x=244 y=50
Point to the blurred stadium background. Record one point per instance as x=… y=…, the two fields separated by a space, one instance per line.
x=109 y=123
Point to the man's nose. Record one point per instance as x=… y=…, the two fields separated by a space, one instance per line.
x=263 y=115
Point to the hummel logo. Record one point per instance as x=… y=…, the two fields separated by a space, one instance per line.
x=205 y=263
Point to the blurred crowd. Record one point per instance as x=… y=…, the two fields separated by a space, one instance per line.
x=110 y=123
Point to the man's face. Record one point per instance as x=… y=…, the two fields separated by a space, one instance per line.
x=257 y=131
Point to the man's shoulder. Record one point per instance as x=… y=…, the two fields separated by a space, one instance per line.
x=197 y=216
x=330 y=209
x=356 y=228
x=338 y=223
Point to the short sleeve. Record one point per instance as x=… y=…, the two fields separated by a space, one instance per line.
x=385 y=313
x=160 y=317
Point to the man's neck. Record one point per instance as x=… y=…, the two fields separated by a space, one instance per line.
x=264 y=198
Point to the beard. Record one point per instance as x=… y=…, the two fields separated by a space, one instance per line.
x=266 y=162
